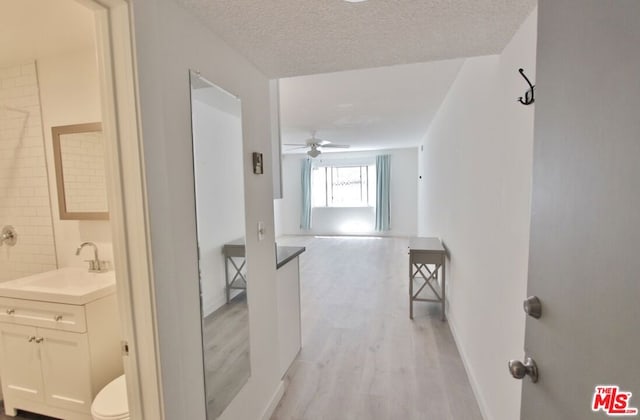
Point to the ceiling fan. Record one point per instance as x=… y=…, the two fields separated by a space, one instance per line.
x=315 y=144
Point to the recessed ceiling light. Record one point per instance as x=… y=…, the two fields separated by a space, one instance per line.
x=354 y=1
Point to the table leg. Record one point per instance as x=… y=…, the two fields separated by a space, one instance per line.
x=226 y=277
x=443 y=288
x=410 y=289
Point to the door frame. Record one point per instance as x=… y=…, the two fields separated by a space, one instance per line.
x=126 y=191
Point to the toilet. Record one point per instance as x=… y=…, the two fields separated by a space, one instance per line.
x=111 y=402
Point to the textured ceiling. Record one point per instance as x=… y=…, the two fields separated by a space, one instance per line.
x=39 y=28
x=298 y=37
x=380 y=108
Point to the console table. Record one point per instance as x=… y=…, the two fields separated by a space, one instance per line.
x=234 y=255
x=423 y=253
x=235 y=275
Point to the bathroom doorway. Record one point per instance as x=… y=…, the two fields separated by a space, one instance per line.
x=94 y=83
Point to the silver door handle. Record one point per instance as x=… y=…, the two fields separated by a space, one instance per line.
x=57 y=318
x=31 y=338
x=39 y=340
x=11 y=311
x=519 y=370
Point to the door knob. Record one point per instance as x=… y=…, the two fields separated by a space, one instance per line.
x=533 y=307
x=519 y=370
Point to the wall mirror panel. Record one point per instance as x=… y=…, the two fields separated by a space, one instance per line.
x=219 y=189
x=79 y=159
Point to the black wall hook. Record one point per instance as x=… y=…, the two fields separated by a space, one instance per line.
x=528 y=95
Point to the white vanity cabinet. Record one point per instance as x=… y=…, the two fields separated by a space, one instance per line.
x=56 y=357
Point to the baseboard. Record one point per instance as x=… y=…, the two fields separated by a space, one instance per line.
x=275 y=399
x=348 y=235
x=465 y=361
x=212 y=306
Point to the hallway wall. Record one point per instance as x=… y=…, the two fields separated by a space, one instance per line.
x=169 y=41
x=475 y=194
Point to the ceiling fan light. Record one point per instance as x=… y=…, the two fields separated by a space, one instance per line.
x=313 y=152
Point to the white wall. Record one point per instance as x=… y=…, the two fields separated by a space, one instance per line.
x=345 y=221
x=70 y=94
x=219 y=191
x=475 y=195
x=168 y=42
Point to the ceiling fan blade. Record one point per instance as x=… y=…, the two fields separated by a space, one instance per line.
x=335 y=146
x=297 y=147
x=294 y=144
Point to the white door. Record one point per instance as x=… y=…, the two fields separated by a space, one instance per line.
x=66 y=369
x=20 y=361
x=584 y=261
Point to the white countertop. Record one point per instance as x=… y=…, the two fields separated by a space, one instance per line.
x=71 y=285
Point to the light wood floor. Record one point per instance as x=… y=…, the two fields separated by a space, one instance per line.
x=362 y=357
x=226 y=353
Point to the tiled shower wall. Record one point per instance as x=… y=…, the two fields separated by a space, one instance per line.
x=24 y=191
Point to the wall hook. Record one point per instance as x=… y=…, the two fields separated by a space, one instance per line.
x=528 y=95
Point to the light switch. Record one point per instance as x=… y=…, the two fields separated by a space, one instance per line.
x=257 y=163
x=260 y=231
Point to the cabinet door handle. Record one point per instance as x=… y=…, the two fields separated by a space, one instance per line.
x=39 y=340
x=57 y=318
x=32 y=338
x=11 y=311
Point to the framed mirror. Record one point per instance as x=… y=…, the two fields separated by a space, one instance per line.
x=216 y=124
x=79 y=159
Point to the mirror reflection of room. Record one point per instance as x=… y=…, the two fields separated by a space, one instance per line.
x=219 y=188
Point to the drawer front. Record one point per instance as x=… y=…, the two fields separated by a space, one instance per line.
x=57 y=316
x=417 y=257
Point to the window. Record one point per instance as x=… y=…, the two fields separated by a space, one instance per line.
x=343 y=186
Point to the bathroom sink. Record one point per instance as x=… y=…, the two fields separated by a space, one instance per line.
x=76 y=286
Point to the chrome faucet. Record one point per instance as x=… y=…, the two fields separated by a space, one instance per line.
x=95 y=265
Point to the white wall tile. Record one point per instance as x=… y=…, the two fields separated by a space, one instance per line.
x=24 y=192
